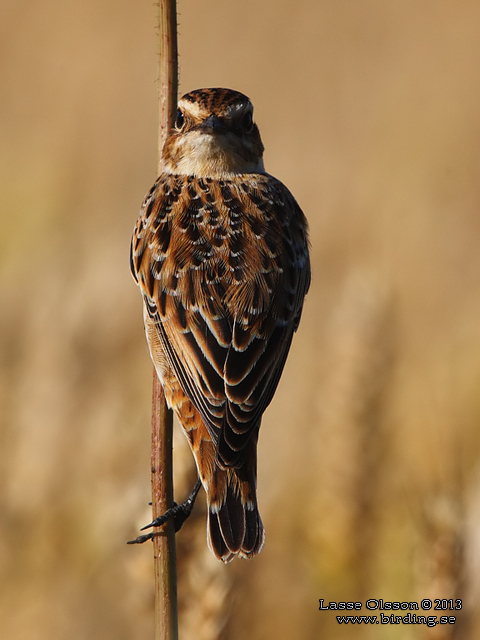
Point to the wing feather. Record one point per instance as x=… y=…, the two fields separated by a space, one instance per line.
x=224 y=268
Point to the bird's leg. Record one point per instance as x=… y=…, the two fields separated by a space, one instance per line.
x=179 y=513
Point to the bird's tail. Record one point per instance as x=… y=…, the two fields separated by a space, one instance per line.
x=234 y=526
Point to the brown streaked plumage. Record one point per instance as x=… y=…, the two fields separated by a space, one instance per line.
x=220 y=253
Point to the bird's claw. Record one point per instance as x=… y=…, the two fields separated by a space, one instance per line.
x=179 y=513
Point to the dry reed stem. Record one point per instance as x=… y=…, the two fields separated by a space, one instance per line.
x=166 y=611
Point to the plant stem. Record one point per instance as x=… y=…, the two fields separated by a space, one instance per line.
x=164 y=556
x=166 y=611
x=168 y=71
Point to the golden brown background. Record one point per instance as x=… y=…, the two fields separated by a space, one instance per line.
x=369 y=476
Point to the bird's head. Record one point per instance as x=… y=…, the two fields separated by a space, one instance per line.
x=214 y=136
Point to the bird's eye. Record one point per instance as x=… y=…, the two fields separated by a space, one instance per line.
x=179 y=120
x=247 y=121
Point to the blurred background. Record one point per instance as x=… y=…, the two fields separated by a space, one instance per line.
x=369 y=456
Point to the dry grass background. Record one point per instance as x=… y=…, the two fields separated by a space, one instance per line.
x=369 y=478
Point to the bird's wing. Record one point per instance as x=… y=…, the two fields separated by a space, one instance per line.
x=224 y=268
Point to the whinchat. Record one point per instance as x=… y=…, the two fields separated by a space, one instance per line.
x=220 y=252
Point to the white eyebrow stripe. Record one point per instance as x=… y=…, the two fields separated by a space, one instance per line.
x=197 y=110
x=190 y=107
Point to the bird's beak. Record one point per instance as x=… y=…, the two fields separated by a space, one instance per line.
x=213 y=125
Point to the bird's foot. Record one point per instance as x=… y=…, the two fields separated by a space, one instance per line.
x=179 y=513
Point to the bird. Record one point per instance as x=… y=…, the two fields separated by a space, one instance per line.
x=220 y=252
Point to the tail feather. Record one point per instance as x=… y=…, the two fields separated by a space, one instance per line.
x=235 y=528
x=215 y=539
x=254 y=538
x=231 y=518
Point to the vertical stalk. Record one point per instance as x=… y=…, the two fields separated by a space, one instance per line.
x=168 y=70
x=164 y=556
x=166 y=612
